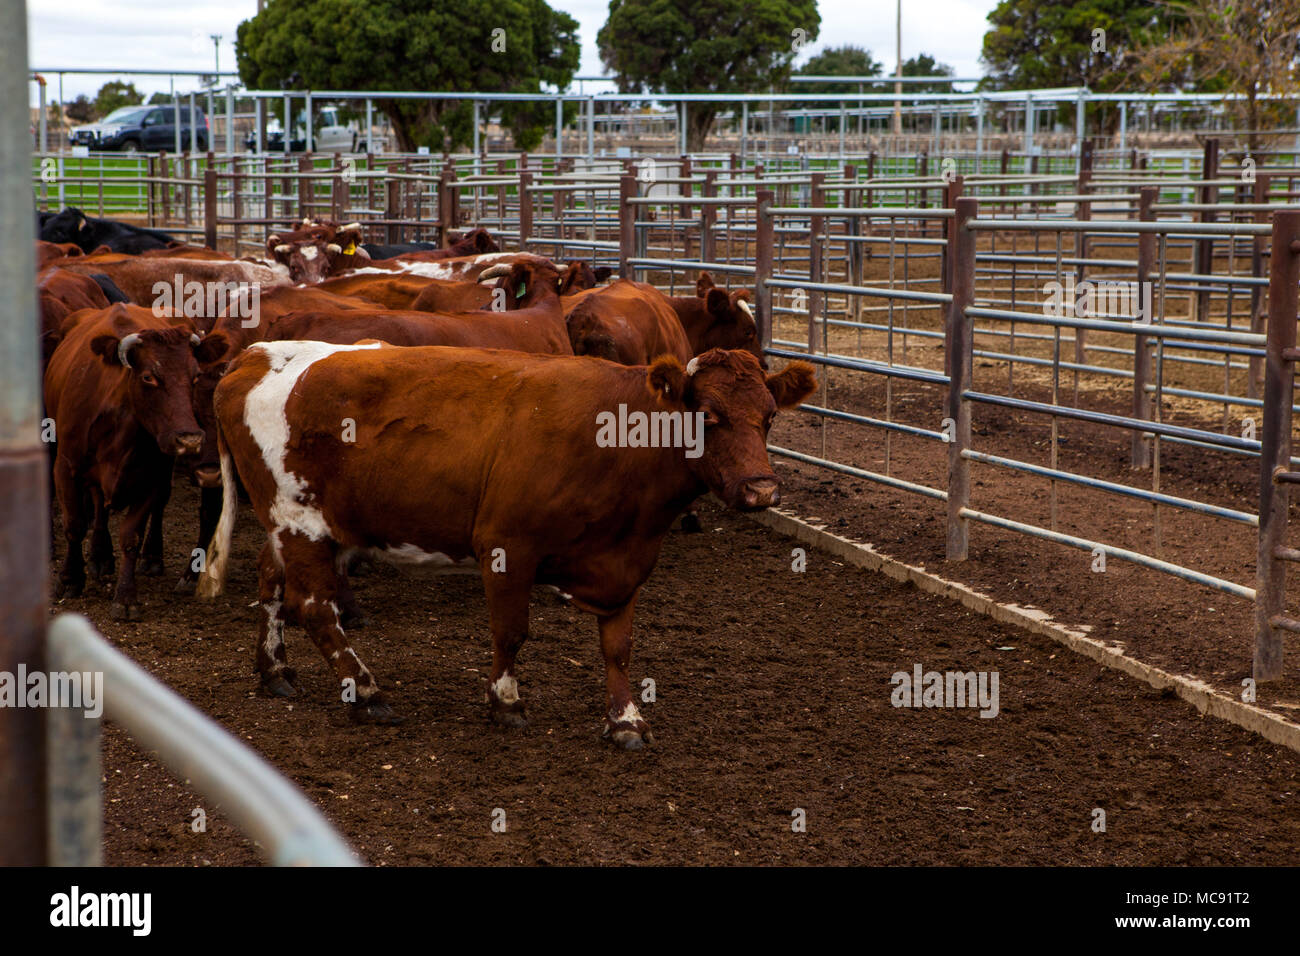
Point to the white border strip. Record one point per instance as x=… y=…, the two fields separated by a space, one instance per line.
x=1199 y=694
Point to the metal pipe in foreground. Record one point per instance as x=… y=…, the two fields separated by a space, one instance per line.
x=24 y=511
x=254 y=796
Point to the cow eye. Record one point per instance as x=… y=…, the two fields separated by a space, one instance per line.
x=148 y=378
x=709 y=417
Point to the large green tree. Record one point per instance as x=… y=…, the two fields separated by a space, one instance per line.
x=116 y=94
x=1033 y=44
x=923 y=64
x=506 y=46
x=704 y=46
x=835 y=61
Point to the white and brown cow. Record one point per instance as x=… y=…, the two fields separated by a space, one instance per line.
x=486 y=455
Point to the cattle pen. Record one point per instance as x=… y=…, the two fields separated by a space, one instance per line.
x=1056 y=387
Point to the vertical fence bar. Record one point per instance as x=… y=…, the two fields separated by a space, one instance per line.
x=958 y=343
x=763 y=235
x=816 y=300
x=1275 y=444
x=525 y=208
x=210 y=207
x=626 y=224
x=1259 y=195
x=1140 y=455
x=24 y=511
x=1203 y=263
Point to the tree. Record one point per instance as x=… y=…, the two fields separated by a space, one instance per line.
x=704 y=46
x=508 y=46
x=1036 y=44
x=160 y=99
x=836 y=61
x=925 y=65
x=1245 y=47
x=81 y=110
x=115 y=94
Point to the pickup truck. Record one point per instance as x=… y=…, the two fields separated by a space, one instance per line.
x=329 y=133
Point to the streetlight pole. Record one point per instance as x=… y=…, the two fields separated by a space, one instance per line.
x=216 y=54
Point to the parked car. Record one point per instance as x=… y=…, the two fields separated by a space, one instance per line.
x=135 y=128
x=329 y=132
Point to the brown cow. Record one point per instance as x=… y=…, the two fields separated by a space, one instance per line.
x=120 y=389
x=51 y=252
x=60 y=293
x=628 y=322
x=716 y=319
x=489 y=457
x=391 y=290
x=536 y=325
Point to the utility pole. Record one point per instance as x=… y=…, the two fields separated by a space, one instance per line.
x=216 y=57
x=898 y=70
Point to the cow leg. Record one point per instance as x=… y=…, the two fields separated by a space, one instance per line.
x=623 y=722
x=72 y=579
x=691 y=520
x=209 y=515
x=125 y=606
x=102 y=562
x=272 y=665
x=152 y=552
x=507 y=597
x=311 y=589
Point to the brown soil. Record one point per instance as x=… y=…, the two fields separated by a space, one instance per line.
x=773 y=693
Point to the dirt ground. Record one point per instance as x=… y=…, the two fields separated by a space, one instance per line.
x=772 y=694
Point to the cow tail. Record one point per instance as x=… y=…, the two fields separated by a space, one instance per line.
x=213 y=579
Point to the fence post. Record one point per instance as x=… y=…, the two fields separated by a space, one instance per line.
x=626 y=224
x=306 y=187
x=1275 y=447
x=1259 y=194
x=525 y=209
x=1203 y=261
x=708 y=217
x=210 y=207
x=1141 y=452
x=957 y=353
x=1081 y=250
x=951 y=193
x=763 y=236
x=816 y=229
x=392 y=208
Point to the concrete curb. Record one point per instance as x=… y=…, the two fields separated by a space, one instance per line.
x=1200 y=695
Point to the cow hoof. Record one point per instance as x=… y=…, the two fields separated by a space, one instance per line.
x=354 y=619
x=375 y=712
x=691 y=523
x=69 y=589
x=186 y=585
x=124 y=612
x=277 y=685
x=151 y=567
x=627 y=734
x=509 y=715
x=100 y=569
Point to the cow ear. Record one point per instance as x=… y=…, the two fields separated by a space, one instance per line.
x=212 y=348
x=703 y=284
x=105 y=346
x=603 y=273
x=666 y=380
x=717 y=302
x=792 y=384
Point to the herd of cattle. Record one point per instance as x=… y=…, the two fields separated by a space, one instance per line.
x=416 y=404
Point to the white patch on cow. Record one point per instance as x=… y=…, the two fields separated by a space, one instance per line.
x=309 y=602
x=308 y=252
x=630 y=715
x=265 y=416
x=411 y=554
x=693 y=366
x=274 y=628
x=506 y=689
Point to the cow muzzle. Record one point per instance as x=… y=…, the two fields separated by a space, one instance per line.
x=208 y=476
x=755 y=494
x=188 y=443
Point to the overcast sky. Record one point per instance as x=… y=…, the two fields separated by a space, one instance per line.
x=175 y=34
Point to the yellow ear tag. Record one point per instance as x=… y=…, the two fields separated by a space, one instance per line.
x=351 y=249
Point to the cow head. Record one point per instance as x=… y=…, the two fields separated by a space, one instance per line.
x=70 y=225
x=738 y=403
x=527 y=283
x=731 y=323
x=473 y=243
x=582 y=276
x=317 y=250
x=162 y=369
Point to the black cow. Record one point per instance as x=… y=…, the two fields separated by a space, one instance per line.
x=89 y=233
x=377 y=251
